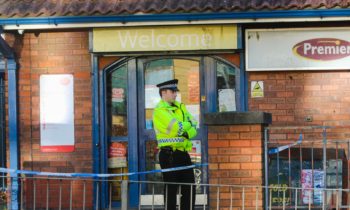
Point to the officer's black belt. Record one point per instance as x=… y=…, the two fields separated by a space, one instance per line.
x=167 y=148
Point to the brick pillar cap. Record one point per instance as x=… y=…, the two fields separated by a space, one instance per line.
x=237 y=118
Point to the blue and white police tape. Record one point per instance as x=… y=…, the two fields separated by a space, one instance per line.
x=280 y=149
x=91 y=175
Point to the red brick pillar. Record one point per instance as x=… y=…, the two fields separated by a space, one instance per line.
x=46 y=53
x=235 y=150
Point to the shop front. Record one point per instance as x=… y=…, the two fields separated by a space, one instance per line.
x=303 y=79
x=302 y=73
x=131 y=61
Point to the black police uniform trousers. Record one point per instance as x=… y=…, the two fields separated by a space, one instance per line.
x=170 y=159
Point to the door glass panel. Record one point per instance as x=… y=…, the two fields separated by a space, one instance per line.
x=117 y=102
x=187 y=72
x=152 y=163
x=117 y=116
x=117 y=164
x=226 y=87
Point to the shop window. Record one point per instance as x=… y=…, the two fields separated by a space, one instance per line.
x=196 y=88
x=117 y=112
x=302 y=168
x=117 y=101
x=157 y=71
x=226 y=87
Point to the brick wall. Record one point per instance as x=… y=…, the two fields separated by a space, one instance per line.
x=53 y=53
x=292 y=96
x=304 y=99
x=235 y=158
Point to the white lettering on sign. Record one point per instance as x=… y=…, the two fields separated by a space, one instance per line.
x=323 y=49
x=310 y=49
x=163 y=40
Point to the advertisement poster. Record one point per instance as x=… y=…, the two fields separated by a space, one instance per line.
x=117 y=155
x=196 y=154
x=308 y=195
x=118 y=95
x=227 y=100
x=56 y=113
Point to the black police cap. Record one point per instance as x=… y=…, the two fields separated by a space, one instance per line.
x=170 y=84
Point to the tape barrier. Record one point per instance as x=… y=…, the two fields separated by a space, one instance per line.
x=279 y=149
x=91 y=175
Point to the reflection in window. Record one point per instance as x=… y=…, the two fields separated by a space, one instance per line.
x=186 y=71
x=117 y=101
x=157 y=71
x=226 y=87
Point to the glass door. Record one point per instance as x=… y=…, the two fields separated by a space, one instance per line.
x=129 y=95
x=120 y=151
x=153 y=71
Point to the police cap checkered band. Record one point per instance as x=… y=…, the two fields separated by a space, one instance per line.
x=170 y=84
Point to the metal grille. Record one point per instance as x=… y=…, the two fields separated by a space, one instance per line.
x=38 y=192
x=314 y=157
x=2 y=142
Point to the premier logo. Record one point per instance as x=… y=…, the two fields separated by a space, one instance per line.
x=322 y=49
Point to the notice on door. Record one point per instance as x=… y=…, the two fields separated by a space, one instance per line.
x=56 y=113
x=117 y=155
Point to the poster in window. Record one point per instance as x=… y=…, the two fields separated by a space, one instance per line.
x=195 y=153
x=312 y=179
x=56 y=113
x=227 y=100
x=117 y=155
x=117 y=94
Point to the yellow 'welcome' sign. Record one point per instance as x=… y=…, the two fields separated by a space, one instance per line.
x=165 y=38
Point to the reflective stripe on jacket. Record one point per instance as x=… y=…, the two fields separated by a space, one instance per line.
x=170 y=124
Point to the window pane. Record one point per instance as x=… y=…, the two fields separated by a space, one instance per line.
x=117 y=164
x=187 y=72
x=226 y=87
x=117 y=90
x=152 y=163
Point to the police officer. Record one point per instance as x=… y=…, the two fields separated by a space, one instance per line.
x=174 y=127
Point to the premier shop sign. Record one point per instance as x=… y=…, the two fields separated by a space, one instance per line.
x=298 y=49
x=165 y=38
x=323 y=49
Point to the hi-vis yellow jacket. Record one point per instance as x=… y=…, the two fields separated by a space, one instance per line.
x=174 y=126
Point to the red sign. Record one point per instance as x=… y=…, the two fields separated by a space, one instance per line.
x=323 y=49
x=59 y=148
x=117 y=150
